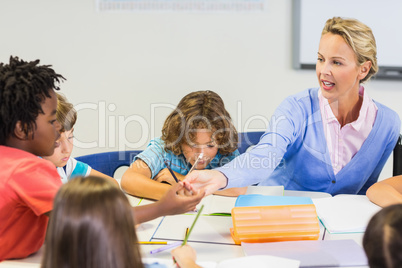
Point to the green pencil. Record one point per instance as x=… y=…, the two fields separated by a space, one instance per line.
x=192 y=226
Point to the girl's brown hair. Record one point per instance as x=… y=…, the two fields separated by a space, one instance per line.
x=91 y=226
x=382 y=240
x=199 y=110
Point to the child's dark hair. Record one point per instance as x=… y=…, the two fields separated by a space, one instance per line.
x=65 y=114
x=199 y=110
x=382 y=240
x=23 y=88
x=91 y=225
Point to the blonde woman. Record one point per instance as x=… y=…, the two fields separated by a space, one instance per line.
x=333 y=138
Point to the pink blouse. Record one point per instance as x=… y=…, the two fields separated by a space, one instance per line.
x=343 y=143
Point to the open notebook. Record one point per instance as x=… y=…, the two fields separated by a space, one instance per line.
x=210 y=229
x=217 y=205
x=345 y=213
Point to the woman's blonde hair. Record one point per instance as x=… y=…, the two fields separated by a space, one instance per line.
x=91 y=226
x=199 y=110
x=359 y=37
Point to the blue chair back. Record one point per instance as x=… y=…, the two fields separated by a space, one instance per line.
x=247 y=139
x=108 y=162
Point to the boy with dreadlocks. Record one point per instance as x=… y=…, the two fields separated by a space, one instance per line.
x=28 y=184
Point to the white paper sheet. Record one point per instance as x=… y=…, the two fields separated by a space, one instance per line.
x=345 y=213
x=317 y=253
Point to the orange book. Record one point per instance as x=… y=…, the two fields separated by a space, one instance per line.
x=274 y=223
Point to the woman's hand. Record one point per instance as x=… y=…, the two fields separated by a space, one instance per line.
x=209 y=180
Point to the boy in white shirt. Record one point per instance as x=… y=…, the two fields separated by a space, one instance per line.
x=66 y=165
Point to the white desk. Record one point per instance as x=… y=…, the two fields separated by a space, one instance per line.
x=357 y=237
x=205 y=251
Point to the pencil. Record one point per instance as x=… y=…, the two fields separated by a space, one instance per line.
x=186 y=233
x=192 y=226
x=175 y=244
x=174 y=260
x=153 y=242
x=196 y=162
x=171 y=171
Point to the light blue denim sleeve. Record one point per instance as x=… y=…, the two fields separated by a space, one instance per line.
x=257 y=164
x=153 y=156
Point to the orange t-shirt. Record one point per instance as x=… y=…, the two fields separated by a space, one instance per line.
x=28 y=185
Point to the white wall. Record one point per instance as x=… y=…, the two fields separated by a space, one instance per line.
x=119 y=64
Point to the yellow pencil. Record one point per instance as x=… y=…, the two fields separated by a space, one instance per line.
x=153 y=242
x=186 y=233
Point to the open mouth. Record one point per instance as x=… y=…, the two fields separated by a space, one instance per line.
x=327 y=85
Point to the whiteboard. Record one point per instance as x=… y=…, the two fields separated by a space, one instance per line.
x=383 y=17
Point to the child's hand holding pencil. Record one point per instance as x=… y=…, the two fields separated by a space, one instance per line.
x=185 y=256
